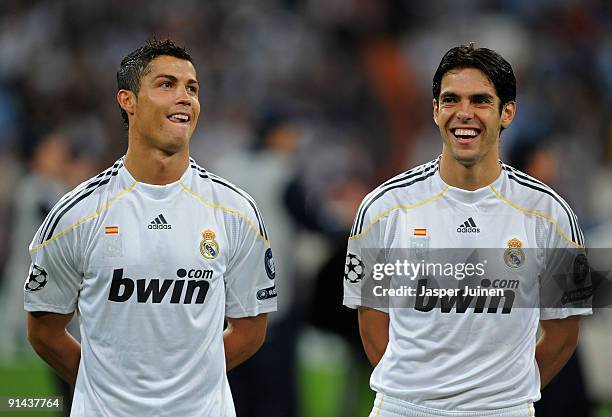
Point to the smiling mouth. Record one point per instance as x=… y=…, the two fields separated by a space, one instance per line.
x=465 y=135
x=179 y=118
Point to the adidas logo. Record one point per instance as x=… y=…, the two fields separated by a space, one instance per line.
x=159 y=223
x=468 y=226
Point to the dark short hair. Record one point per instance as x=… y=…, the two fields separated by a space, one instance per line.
x=136 y=64
x=493 y=65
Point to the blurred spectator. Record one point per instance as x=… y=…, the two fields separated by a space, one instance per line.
x=265 y=172
x=356 y=74
x=34 y=197
x=325 y=312
x=535 y=158
x=59 y=162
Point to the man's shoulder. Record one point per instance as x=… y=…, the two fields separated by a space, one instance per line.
x=220 y=193
x=533 y=194
x=220 y=190
x=534 y=197
x=79 y=203
x=405 y=190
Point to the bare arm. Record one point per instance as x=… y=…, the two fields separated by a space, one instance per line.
x=556 y=345
x=243 y=337
x=48 y=336
x=374 y=331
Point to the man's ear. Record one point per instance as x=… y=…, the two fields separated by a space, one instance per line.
x=127 y=101
x=508 y=113
x=435 y=111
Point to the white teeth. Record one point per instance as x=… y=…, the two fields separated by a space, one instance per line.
x=465 y=132
x=182 y=117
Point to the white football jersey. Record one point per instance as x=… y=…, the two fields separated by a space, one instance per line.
x=460 y=351
x=153 y=271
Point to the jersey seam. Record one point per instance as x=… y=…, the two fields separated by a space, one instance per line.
x=228 y=209
x=529 y=409
x=352 y=297
x=566 y=312
x=265 y=308
x=535 y=213
x=358 y=302
x=382 y=398
x=398 y=207
x=52 y=308
x=84 y=219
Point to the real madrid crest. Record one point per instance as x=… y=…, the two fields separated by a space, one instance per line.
x=209 y=248
x=514 y=256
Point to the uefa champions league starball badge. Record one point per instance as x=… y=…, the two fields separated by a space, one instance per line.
x=209 y=248
x=37 y=278
x=514 y=255
x=354 y=269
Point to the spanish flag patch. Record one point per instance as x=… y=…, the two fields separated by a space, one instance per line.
x=420 y=232
x=111 y=230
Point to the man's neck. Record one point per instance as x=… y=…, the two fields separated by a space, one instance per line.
x=472 y=177
x=153 y=166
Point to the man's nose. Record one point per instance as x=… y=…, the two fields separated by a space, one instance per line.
x=465 y=111
x=183 y=96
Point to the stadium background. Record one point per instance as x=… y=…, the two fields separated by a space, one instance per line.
x=307 y=104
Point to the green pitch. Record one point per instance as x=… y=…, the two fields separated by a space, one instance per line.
x=326 y=389
x=27 y=377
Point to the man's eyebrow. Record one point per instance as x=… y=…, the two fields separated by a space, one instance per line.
x=170 y=77
x=472 y=96
x=174 y=79
x=482 y=95
x=448 y=94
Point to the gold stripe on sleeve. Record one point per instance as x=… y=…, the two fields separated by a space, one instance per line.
x=84 y=219
x=230 y=210
x=536 y=213
x=398 y=207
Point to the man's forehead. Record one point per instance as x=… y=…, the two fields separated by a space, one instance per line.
x=170 y=65
x=460 y=79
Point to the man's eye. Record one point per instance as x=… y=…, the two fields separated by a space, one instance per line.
x=166 y=84
x=193 y=89
x=448 y=99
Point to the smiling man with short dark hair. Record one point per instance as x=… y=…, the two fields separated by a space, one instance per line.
x=155 y=253
x=462 y=355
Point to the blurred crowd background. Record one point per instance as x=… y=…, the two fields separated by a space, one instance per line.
x=306 y=104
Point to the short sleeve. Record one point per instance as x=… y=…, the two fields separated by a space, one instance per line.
x=364 y=249
x=565 y=286
x=250 y=277
x=54 y=280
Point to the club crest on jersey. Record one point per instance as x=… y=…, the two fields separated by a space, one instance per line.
x=209 y=248
x=514 y=256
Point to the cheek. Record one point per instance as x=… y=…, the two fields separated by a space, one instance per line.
x=443 y=118
x=493 y=121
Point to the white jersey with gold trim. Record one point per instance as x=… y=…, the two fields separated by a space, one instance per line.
x=441 y=354
x=153 y=271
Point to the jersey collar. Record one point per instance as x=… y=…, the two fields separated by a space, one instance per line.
x=466 y=196
x=156 y=192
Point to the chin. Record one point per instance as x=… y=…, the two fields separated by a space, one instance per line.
x=466 y=159
x=173 y=146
